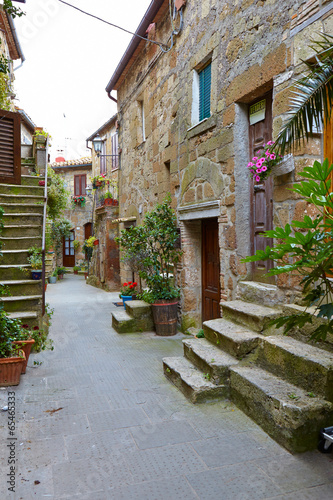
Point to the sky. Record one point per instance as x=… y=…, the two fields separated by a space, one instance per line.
x=70 y=58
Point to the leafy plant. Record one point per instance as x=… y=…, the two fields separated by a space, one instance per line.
x=35 y=257
x=60 y=229
x=305 y=249
x=312 y=96
x=155 y=242
x=57 y=196
x=129 y=288
x=76 y=268
x=200 y=334
x=260 y=167
x=11 y=10
x=61 y=270
x=76 y=245
x=9 y=329
x=5 y=102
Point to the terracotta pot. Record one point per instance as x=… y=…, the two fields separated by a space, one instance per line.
x=108 y=201
x=98 y=183
x=96 y=242
x=10 y=370
x=85 y=275
x=45 y=286
x=165 y=317
x=75 y=272
x=26 y=346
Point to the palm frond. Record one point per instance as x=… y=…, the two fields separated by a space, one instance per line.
x=312 y=98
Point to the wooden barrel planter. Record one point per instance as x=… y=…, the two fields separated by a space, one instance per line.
x=26 y=346
x=165 y=317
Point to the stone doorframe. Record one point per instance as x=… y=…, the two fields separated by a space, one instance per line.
x=201 y=191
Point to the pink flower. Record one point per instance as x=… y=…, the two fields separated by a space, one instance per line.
x=270 y=143
x=250 y=164
x=258 y=170
x=264 y=168
x=267 y=152
x=252 y=171
x=272 y=156
x=257 y=178
x=255 y=158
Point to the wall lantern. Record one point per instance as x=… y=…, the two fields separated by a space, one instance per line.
x=97 y=143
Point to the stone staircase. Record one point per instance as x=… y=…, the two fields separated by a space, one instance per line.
x=23 y=219
x=283 y=384
x=136 y=318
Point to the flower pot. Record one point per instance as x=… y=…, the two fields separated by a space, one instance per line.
x=108 y=201
x=26 y=346
x=165 y=317
x=85 y=276
x=61 y=276
x=36 y=274
x=45 y=286
x=10 y=370
x=52 y=279
x=75 y=272
x=125 y=298
x=96 y=242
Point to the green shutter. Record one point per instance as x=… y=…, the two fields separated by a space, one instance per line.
x=204 y=92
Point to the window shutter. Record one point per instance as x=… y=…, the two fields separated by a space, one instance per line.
x=204 y=92
x=10 y=147
x=83 y=185
x=77 y=185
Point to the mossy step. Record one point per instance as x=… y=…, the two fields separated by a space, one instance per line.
x=19 y=190
x=301 y=364
x=10 y=208
x=32 y=180
x=21 y=303
x=286 y=412
x=23 y=287
x=123 y=322
x=265 y=294
x=232 y=338
x=209 y=359
x=252 y=315
x=21 y=242
x=14 y=272
x=27 y=317
x=22 y=218
x=192 y=382
x=18 y=230
x=141 y=311
x=22 y=199
x=11 y=257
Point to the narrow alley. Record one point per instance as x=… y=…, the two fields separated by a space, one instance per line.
x=98 y=420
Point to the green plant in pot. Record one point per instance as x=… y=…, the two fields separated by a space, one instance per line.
x=35 y=260
x=76 y=269
x=11 y=357
x=156 y=243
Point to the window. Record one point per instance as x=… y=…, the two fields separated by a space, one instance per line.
x=80 y=182
x=204 y=92
x=114 y=151
x=201 y=94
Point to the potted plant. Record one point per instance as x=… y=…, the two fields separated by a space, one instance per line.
x=22 y=338
x=53 y=277
x=79 y=201
x=76 y=245
x=76 y=269
x=98 y=181
x=35 y=260
x=11 y=358
x=156 y=242
x=60 y=272
x=128 y=291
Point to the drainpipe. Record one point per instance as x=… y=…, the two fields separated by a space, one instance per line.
x=112 y=98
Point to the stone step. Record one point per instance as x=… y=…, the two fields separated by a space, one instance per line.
x=192 y=382
x=14 y=272
x=123 y=322
x=24 y=219
x=209 y=359
x=26 y=317
x=301 y=364
x=21 y=303
x=11 y=257
x=10 y=208
x=261 y=293
x=282 y=409
x=21 y=189
x=32 y=180
x=21 y=242
x=18 y=230
x=23 y=287
x=142 y=313
x=232 y=338
x=18 y=200
x=254 y=316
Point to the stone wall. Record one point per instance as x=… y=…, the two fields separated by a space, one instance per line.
x=252 y=51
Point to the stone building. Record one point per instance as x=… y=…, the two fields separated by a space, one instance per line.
x=76 y=174
x=192 y=115
x=105 y=261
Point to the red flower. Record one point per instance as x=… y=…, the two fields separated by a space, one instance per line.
x=135 y=283
x=36 y=328
x=25 y=326
x=125 y=284
x=131 y=286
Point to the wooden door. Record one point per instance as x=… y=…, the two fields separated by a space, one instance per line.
x=261 y=194
x=210 y=270
x=68 y=251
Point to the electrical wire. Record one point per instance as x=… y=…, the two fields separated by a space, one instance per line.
x=161 y=45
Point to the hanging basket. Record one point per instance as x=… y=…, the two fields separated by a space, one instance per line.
x=285 y=166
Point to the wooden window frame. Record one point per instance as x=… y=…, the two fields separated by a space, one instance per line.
x=80 y=193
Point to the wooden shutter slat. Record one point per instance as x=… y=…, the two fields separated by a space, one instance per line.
x=10 y=147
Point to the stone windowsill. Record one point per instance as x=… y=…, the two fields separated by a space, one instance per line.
x=202 y=126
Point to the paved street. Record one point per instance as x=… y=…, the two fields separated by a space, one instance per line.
x=98 y=420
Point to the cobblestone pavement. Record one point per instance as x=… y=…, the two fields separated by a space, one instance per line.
x=98 y=420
